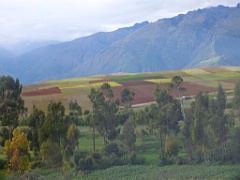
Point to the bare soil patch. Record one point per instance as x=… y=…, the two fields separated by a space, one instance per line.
x=144 y=91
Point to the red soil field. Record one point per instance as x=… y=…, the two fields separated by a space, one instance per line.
x=42 y=92
x=144 y=91
x=215 y=70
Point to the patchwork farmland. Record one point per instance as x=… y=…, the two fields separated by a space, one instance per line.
x=143 y=84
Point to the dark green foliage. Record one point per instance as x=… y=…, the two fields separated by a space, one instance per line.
x=163 y=117
x=86 y=112
x=4 y=134
x=127 y=96
x=86 y=163
x=36 y=120
x=3 y=163
x=112 y=148
x=236 y=146
x=162 y=96
x=55 y=126
x=236 y=99
x=11 y=103
x=134 y=160
x=128 y=136
x=75 y=113
x=104 y=116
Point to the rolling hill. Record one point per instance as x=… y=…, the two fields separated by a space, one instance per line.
x=200 y=38
x=143 y=84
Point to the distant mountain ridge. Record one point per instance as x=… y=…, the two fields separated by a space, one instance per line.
x=200 y=38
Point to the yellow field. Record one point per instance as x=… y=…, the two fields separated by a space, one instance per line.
x=89 y=85
x=195 y=71
x=167 y=80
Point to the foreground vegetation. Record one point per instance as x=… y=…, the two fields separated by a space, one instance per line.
x=147 y=172
x=81 y=144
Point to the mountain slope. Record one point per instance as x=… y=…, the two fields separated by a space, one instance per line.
x=204 y=37
x=208 y=37
x=52 y=61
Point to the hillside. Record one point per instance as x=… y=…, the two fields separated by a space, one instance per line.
x=200 y=38
x=143 y=84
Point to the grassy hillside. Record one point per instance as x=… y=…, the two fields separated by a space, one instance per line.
x=143 y=84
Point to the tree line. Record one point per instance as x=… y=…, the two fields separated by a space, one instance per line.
x=205 y=130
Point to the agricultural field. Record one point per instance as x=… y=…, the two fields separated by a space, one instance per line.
x=143 y=84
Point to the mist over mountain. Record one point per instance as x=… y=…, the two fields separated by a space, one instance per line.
x=5 y=53
x=200 y=38
x=27 y=46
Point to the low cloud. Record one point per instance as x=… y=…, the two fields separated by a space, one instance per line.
x=63 y=20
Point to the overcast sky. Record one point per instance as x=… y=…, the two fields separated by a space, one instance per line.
x=38 y=20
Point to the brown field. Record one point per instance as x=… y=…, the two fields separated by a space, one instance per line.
x=42 y=92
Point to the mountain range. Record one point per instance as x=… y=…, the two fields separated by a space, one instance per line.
x=199 y=38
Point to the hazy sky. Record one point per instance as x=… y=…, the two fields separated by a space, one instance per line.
x=63 y=20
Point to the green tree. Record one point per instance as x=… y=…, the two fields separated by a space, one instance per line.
x=11 y=103
x=236 y=146
x=55 y=126
x=178 y=90
x=197 y=126
x=17 y=151
x=96 y=97
x=164 y=116
x=36 y=121
x=141 y=119
x=127 y=96
x=109 y=109
x=75 y=111
x=219 y=121
x=128 y=136
x=162 y=96
x=236 y=98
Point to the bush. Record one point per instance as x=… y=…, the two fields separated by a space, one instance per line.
x=166 y=159
x=182 y=160
x=112 y=148
x=3 y=163
x=134 y=160
x=51 y=154
x=86 y=164
x=108 y=161
x=198 y=156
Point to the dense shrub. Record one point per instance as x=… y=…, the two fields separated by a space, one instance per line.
x=3 y=163
x=136 y=160
x=112 y=148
